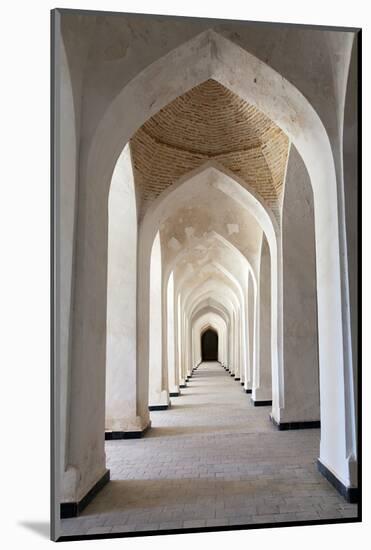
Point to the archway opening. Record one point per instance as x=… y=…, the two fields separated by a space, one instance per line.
x=209 y=345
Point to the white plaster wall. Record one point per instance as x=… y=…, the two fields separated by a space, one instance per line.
x=72 y=38
x=65 y=222
x=350 y=156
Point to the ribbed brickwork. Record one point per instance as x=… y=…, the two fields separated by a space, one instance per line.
x=209 y=123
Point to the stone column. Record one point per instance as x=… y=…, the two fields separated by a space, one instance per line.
x=173 y=376
x=158 y=390
x=300 y=340
x=262 y=379
x=251 y=334
x=121 y=362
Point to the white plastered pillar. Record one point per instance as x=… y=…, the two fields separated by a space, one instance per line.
x=262 y=379
x=121 y=368
x=300 y=341
x=158 y=383
x=173 y=374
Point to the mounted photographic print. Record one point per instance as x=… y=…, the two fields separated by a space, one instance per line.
x=205 y=303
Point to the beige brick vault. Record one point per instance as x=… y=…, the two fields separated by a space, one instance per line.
x=211 y=460
x=209 y=123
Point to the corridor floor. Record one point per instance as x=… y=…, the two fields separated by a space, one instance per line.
x=213 y=459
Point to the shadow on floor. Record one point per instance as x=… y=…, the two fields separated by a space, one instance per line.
x=41 y=528
x=129 y=495
x=175 y=406
x=170 y=431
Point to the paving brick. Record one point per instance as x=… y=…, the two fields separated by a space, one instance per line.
x=212 y=459
x=194 y=523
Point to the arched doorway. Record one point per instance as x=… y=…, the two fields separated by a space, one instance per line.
x=209 y=345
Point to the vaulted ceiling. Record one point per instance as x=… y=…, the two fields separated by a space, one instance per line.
x=209 y=122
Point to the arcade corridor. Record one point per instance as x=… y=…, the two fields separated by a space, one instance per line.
x=208 y=221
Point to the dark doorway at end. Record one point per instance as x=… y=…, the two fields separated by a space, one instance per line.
x=209 y=345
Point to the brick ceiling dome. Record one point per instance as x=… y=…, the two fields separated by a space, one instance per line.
x=209 y=122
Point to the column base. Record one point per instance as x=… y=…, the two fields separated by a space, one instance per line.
x=133 y=434
x=74 y=509
x=174 y=394
x=351 y=494
x=182 y=385
x=262 y=403
x=248 y=390
x=304 y=425
x=237 y=379
x=159 y=407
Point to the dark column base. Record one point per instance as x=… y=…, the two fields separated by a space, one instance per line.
x=266 y=403
x=305 y=425
x=232 y=374
x=73 y=509
x=242 y=383
x=183 y=385
x=237 y=379
x=351 y=494
x=174 y=394
x=248 y=391
x=109 y=436
x=159 y=407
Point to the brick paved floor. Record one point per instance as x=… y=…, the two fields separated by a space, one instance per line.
x=211 y=460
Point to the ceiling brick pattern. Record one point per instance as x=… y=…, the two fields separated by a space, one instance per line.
x=209 y=123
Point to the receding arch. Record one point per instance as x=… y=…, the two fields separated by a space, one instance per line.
x=206 y=319
x=228 y=303
x=214 y=176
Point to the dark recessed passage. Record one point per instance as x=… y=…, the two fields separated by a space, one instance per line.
x=209 y=345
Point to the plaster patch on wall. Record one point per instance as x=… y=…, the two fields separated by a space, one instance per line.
x=203 y=260
x=174 y=244
x=189 y=231
x=189 y=269
x=233 y=228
